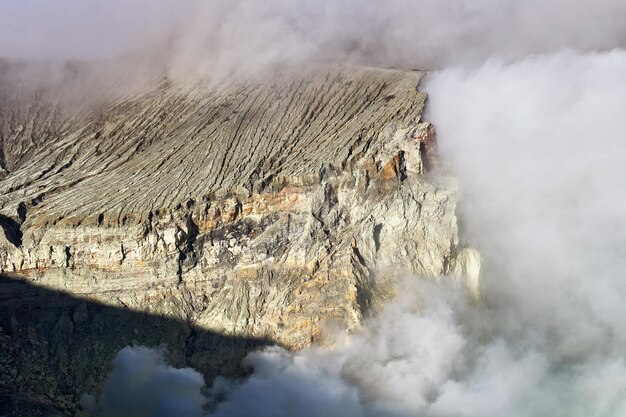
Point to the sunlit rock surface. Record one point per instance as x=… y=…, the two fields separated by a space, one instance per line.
x=267 y=210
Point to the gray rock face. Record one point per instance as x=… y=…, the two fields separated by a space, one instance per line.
x=264 y=210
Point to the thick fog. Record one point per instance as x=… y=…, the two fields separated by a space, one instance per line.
x=528 y=99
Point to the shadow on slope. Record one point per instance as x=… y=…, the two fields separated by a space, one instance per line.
x=54 y=347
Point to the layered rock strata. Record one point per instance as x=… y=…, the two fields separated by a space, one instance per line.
x=264 y=210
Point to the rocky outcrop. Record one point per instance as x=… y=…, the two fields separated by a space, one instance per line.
x=264 y=210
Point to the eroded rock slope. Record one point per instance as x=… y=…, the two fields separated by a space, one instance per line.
x=263 y=210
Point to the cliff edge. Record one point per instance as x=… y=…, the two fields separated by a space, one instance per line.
x=265 y=210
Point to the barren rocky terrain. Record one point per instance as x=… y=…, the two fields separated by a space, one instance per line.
x=212 y=221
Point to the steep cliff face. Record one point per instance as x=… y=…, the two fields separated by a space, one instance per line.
x=264 y=210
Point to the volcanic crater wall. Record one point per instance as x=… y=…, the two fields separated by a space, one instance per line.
x=258 y=212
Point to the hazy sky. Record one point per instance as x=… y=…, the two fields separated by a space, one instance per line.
x=207 y=37
x=84 y=29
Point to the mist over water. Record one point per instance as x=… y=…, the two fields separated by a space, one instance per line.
x=528 y=100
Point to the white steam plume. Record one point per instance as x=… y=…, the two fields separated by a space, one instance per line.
x=539 y=148
x=141 y=384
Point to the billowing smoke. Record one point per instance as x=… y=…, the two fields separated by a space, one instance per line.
x=142 y=384
x=539 y=148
